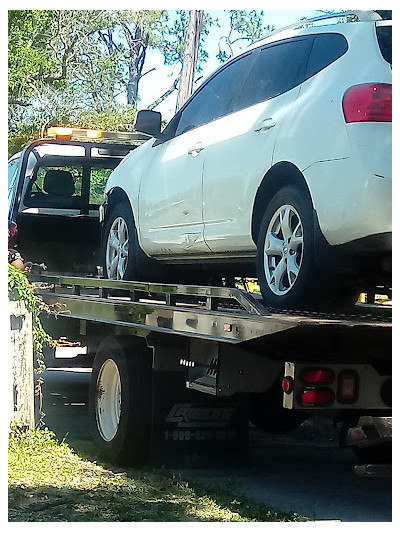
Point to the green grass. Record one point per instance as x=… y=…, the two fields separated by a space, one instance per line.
x=48 y=481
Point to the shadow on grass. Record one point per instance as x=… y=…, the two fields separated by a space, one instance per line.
x=50 y=504
x=191 y=503
x=133 y=495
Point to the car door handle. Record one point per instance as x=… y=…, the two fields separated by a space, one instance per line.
x=265 y=125
x=196 y=150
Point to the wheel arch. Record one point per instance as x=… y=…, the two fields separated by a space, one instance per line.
x=280 y=175
x=115 y=196
x=143 y=262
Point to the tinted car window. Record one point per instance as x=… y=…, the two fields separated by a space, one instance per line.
x=326 y=49
x=214 y=99
x=277 y=69
x=384 y=34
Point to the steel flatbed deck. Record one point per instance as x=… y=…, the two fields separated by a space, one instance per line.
x=216 y=313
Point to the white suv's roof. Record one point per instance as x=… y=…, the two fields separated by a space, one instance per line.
x=304 y=27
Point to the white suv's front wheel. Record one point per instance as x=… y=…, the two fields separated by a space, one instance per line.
x=123 y=259
x=121 y=251
x=117 y=249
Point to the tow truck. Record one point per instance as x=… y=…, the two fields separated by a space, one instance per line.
x=180 y=370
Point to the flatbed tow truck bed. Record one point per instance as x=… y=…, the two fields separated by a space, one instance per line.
x=219 y=313
x=220 y=341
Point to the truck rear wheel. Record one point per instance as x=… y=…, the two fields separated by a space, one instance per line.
x=121 y=401
x=267 y=413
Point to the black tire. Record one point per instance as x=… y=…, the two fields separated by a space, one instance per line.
x=135 y=265
x=292 y=279
x=267 y=413
x=129 y=442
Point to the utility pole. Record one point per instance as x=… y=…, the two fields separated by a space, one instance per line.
x=190 y=55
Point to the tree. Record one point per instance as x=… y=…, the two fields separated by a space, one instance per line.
x=71 y=65
x=45 y=47
x=174 y=44
x=140 y=30
x=190 y=55
x=48 y=53
x=174 y=48
x=244 y=26
x=90 y=56
x=27 y=57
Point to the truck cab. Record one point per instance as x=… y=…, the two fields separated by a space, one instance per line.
x=55 y=189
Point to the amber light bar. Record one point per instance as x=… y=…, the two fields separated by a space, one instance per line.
x=61 y=132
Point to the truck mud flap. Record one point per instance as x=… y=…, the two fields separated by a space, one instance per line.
x=194 y=430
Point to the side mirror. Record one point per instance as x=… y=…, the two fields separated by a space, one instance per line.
x=148 y=122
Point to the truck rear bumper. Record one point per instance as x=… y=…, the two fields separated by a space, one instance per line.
x=370 y=431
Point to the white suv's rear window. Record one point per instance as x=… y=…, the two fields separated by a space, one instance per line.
x=384 y=34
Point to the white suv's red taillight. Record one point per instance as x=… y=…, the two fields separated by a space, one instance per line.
x=369 y=102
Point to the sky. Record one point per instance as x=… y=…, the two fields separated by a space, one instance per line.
x=157 y=82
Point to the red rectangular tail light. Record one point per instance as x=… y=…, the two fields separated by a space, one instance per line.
x=316 y=397
x=368 y=102
x=317 y=375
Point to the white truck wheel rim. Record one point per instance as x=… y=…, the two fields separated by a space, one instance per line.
x=108 y=405
x=117 y=249
x=283 y=249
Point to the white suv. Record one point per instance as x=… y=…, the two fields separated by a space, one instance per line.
x=280 y=159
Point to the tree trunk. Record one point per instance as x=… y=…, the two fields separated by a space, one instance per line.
x=137 y=52
x=22 y=363
x=192 y=41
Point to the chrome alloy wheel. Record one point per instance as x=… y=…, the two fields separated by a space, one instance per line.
x=283 y=249
x=117 y=249
x=108 y=403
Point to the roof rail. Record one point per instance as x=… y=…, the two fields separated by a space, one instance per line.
x=363 y=16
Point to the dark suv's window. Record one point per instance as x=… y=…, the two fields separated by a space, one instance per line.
x=384 y=34
x=277 y=69
x=214 y=99
x=327 y=48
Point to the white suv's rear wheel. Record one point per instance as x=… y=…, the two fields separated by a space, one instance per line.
x=285 y=255
x=288 y=273
x=283 y=249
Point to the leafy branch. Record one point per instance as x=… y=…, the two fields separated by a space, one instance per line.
x=19 y=288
